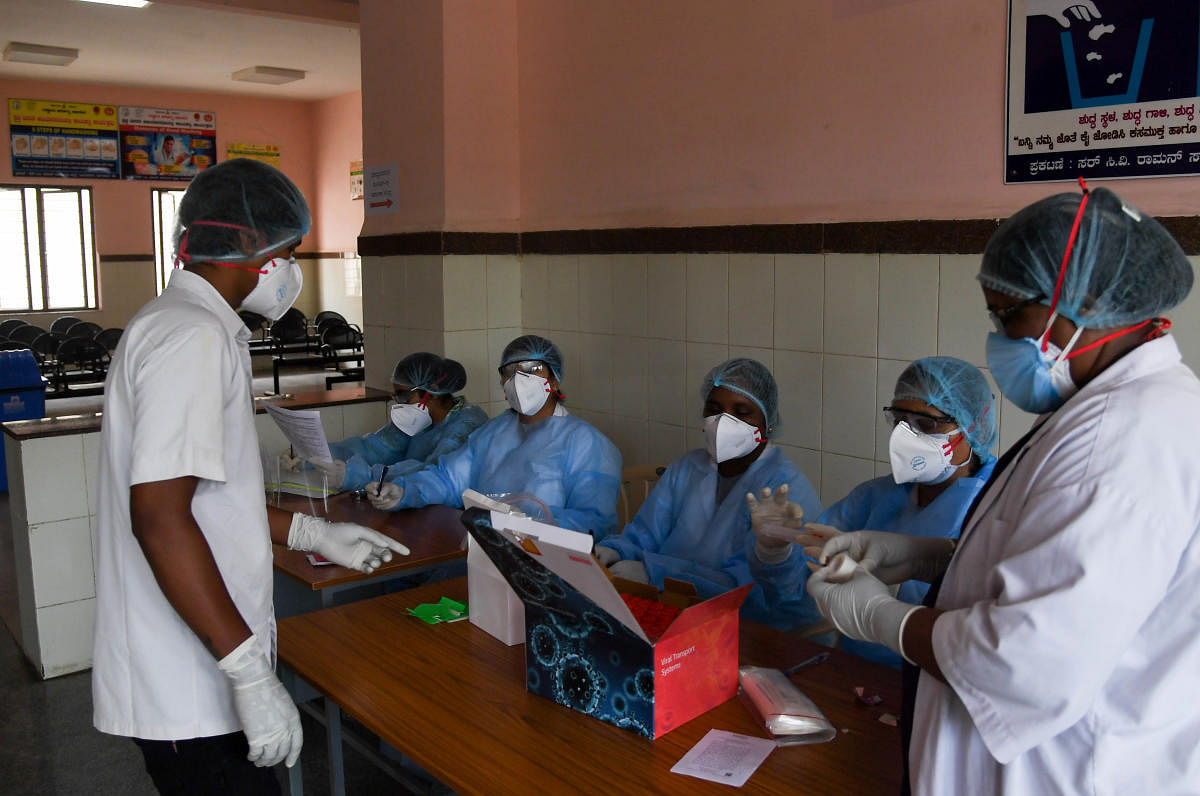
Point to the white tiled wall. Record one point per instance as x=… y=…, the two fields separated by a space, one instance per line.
x=836 y=330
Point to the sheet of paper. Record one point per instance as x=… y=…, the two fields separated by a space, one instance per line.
x=725 y=757
x=303 y=429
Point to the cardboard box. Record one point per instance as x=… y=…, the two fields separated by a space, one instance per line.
x=585 y=650
x=494 y=607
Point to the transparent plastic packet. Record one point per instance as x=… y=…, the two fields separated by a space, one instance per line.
x=784 y=711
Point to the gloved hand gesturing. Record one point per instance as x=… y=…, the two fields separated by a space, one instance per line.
x=335 y=471
x=343 y=543
x=893 y=557
x=862 y=607
x=387 y=498
x=773 y=517
x=268 y=715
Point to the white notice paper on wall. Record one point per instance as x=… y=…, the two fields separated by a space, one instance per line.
x=379 y=187
x=303 y=429
x=725 y=757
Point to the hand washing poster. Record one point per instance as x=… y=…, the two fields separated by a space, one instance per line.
x=62 y=139
x=162 y=144
x=1102 y=88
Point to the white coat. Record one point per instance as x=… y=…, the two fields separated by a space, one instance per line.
x=177 y=403
x=1071 y=641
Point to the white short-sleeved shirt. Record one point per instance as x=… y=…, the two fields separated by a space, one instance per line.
x=1071 y=638
x=177 y=402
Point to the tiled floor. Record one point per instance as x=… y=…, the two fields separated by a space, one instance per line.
x=47 y=742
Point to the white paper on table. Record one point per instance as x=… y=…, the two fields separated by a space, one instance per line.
x=725 y=757
x=303 y=429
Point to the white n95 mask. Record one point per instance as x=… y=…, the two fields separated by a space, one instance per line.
x=526 y=393
x=276 y=290
x=921 y=458
x=411 y=419
x=727 y=438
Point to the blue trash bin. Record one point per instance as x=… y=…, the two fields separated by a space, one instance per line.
x=22 y=395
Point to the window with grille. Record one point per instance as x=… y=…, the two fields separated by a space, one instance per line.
x=47 y=250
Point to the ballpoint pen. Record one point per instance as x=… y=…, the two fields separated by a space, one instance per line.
x=820 y=657
x=382 y=476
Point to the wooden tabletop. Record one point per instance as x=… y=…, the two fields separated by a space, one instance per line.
x=453 y=698
x=433 y=534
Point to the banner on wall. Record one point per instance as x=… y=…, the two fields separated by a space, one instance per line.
x=1102 y=89
x=163 y=144
x=267 y=153
x=63 y=139
x=356 y=179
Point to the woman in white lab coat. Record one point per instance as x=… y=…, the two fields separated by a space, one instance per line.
x=1061 y=651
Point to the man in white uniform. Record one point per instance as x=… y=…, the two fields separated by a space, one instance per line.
x=185 y=629
x=1064 y=647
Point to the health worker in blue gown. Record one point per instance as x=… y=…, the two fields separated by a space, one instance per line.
x=426 y=420
x=695 y=525
x=943 y=416
x=561 y=464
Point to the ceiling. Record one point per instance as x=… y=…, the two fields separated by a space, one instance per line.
x=192 y=44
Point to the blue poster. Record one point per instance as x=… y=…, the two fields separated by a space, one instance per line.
x=1102 y=89
x=73 y=140
x=163 y=144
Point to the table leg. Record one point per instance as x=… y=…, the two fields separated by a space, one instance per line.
x=333 y=732
x=275 y=369
x=295 y=773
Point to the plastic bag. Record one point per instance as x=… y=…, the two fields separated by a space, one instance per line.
x=786 y=713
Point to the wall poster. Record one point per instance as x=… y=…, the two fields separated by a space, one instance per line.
x=266 y=153
x=63 y=139
x=1102 y=89
x=162 y=144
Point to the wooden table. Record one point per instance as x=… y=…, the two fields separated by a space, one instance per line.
x=434 y=535
x=453 y=699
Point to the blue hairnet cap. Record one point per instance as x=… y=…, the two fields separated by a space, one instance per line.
x=1124 y=268
x=430 y=373
x=239 y=210
x=531 y=346
x=750 y=378
x=960 y=390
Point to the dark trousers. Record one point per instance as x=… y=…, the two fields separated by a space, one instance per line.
x=204 y=766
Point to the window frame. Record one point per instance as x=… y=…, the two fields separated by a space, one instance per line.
x=87 y=239
x=164 y=263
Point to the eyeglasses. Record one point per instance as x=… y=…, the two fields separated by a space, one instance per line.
x=405 y=396
x=925 y=423
x=1000 y=317
x=533 y=367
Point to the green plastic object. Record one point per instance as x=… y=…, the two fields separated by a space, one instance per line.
x=444 y=610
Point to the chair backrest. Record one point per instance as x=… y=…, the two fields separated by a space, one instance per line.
x=636 y=483
x=85 y=329
x=45 y=346
x=27 y=333
x=13 y=345
x=325 y=315
x=254 y=322
x=340 y=337
x=109 y=338
x=63 y=325
x=10 y=324
x=291 y=328
x=80 y=351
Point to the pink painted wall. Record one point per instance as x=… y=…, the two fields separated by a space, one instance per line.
x=401 y=45
x=337 y=140
x=122 y=207
x=482 y=136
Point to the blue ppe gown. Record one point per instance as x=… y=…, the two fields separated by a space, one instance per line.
x=883 y=505
x=366 y=456
x=681 y=532
x=564 y=461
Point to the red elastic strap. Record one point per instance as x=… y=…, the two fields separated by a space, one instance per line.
x=1062 y=269
x=1160 y=327
x=184 y=257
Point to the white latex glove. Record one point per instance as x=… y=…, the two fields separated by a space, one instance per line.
x=774 y=518
x=268 y=715
x=342 y=543
x=630 y=570
x=813 y=536
x=387 y=498
x=293 y=464
x=893 y=557
x=606 y=555
x=862 y=608
x=335 y=471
